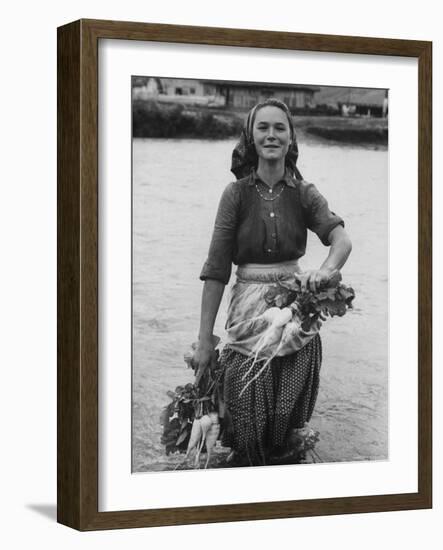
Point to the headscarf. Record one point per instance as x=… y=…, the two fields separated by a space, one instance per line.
x=244 y=155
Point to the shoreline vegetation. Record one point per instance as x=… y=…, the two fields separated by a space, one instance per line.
x=153 y=119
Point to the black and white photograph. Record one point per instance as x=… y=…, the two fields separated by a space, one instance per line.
x=260 y=258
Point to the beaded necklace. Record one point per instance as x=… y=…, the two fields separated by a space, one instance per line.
x=270 y=190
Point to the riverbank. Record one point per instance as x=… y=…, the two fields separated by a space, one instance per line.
x=151 y=119
x=355 y=130
x=160 y=120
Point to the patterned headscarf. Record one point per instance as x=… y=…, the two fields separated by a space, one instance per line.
x=244 y=155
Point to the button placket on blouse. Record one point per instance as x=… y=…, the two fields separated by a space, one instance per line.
x=272 y=225
x=270 y=213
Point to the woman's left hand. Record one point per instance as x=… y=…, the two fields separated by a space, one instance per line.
x=313 y=280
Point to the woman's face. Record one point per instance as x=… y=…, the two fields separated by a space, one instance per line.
x=271 y=133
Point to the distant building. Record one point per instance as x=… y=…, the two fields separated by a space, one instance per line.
x=354 y=101
x=171 y=90
x=235 y=95
x=244 y=95
x=144 y=87
x=181 y=86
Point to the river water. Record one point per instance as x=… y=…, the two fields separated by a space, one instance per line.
x=176 y=188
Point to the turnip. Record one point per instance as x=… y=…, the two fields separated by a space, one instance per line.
x=270 y=314
x=205 y=425
x=211 y=439
x=194 y=440
x=281 y=330
x=273 y=333
x=284 y=316
x=289 y=331
x=196 y=433
x=280 y=317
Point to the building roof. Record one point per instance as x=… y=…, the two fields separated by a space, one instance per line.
x=262 y=85
x=331 y=95
x=142 y=80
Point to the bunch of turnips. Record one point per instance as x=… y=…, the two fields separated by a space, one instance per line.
x=294 y=311
x=192 y=420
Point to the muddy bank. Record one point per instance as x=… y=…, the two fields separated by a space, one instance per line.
x=346 y=130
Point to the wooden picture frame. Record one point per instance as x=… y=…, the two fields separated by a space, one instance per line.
x=77 y=454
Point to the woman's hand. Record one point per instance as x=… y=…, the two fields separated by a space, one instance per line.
x=313 y=280
x=338 y=254
x=204 y=357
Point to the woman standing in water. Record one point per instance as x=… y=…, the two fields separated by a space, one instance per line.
x=261 y=226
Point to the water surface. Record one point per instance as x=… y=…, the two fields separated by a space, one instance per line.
x=176 y=188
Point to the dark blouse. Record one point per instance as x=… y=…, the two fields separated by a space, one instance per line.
x=250 y=229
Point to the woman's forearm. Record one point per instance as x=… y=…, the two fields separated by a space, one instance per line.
x=339 y=250
x=211 y=298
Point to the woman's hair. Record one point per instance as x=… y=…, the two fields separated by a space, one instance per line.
x=244 y=155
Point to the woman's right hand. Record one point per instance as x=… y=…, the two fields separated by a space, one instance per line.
x=204 y=357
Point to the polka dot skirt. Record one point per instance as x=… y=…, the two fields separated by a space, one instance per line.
x=281 y=398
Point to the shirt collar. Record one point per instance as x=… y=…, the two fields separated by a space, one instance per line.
x=287 y=178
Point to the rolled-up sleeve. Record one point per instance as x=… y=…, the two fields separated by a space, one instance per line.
x=319 y=218
x=221 y=250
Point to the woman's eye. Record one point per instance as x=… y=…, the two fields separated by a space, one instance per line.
x=277 y=128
